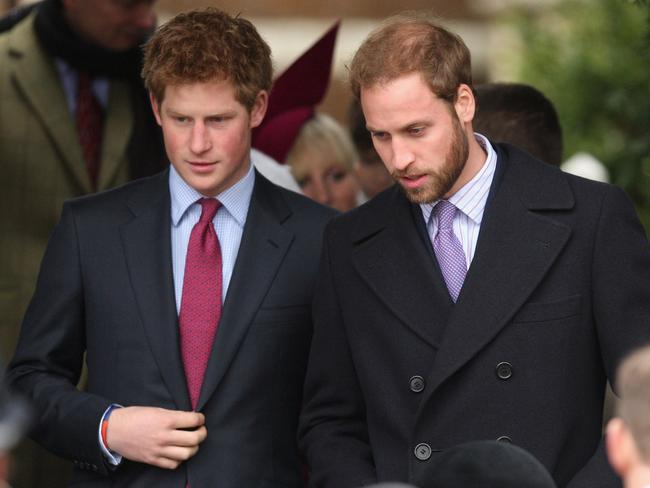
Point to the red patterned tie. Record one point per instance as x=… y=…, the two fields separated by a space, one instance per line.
x=89 y=122
x=201 y=299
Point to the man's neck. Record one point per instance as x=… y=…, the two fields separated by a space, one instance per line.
x=475 y=160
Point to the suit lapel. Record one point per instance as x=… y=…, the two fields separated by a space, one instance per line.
x=515 y=250
x=147 y=247
x=263 y=247
x=395 y=263
x=118 y=127
x=36 y=77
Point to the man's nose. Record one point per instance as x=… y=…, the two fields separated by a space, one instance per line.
x=402 y=154
x=199 y=139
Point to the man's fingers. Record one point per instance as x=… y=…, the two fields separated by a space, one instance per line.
x=185 y=420
x=186 y=438
x=177 y=453
x=165 y=463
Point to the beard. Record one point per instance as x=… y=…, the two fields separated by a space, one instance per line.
x=441 y=180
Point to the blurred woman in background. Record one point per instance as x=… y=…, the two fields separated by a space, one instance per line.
x=322 y=162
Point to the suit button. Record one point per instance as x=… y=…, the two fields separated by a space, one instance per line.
x=416 y=383
x=423 y=451
x=94 y=467
x=504 y=438
x=504 y=370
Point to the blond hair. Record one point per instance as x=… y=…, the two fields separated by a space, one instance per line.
x=321 y=135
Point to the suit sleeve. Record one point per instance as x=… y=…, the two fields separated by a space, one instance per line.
x=621 y=304
x=49 y=355
x=333 y=431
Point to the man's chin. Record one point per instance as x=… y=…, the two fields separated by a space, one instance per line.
x=419 y=195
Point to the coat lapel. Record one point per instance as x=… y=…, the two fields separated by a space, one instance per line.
x=516 y=248
x=118 y=127
x=391 y=257
x=263 y=247
x=36 y=77
x=147 y=247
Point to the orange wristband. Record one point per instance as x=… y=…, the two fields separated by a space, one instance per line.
x=104 y=432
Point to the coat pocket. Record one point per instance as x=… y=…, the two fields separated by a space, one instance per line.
x=547 y=311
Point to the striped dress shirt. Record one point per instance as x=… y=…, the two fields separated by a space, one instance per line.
x=470 y=201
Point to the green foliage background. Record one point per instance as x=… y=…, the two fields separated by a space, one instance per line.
x=592 y=59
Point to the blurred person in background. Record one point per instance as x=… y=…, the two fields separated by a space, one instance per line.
x=520 y=115
x=628 y=433
x=315 y=147
x=372 y=175
x=74 y=119
x=15 y=416
x=322 y=161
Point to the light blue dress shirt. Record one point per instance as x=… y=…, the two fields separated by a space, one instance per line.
x=228 y=224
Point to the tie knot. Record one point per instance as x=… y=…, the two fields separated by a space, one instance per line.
x=445 y=212
x=209 y=207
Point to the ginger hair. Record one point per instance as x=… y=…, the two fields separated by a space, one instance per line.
x=208 y=45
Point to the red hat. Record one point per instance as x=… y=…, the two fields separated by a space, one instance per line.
x=293 y=97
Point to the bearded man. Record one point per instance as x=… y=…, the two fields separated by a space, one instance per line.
x=487 y=295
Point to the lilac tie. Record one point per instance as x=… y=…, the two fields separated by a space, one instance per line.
x=448 y=249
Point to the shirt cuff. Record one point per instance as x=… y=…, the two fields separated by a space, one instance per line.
x=112 y=457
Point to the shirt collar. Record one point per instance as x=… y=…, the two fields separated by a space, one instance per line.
x=235 y=199
x=470 y=199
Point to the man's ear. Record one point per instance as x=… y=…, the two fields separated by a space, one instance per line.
x=155 y=107
x=621 y=448
x=465 y=104
x=258 y=111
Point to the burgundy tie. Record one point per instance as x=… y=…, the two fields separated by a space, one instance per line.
x=201 y=299
x=89 y=122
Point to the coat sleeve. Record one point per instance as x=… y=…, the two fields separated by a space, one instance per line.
x=50 y=351
x=621 y=304
x=333 y=431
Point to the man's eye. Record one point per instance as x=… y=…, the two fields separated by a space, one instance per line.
x=379 y=135
x=416 y=131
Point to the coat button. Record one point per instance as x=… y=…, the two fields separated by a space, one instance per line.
x=504 y=370
x=416 y=383
x=504 y=438
x=423 y=451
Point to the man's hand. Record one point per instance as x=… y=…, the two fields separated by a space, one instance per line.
x=155 y=436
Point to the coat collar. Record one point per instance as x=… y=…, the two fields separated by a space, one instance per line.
x=516 y=247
